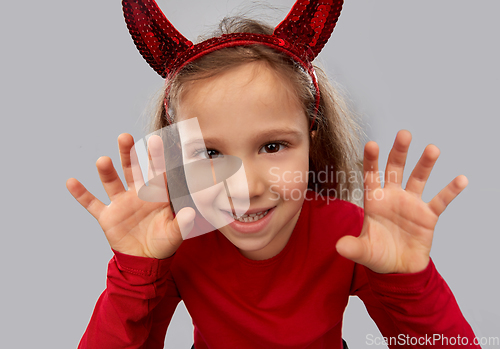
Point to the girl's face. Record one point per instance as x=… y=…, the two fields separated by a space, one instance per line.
x=252 y=113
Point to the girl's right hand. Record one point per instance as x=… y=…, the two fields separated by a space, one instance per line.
x=131 y=225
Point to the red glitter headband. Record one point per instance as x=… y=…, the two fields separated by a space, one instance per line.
x=301 y=35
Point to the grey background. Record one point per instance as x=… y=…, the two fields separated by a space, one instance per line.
x=72 y=81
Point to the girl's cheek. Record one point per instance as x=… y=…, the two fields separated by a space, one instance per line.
x=288 y=184
x=290 y=170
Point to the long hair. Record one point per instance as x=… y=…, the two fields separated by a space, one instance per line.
x=335 y=158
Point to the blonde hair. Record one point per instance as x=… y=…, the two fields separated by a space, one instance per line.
x=335 y=149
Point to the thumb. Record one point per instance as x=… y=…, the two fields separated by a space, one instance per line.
x=352 y=248
x=184 y=222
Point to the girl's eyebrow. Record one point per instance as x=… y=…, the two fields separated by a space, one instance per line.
x=267 y=134
x=279 y=132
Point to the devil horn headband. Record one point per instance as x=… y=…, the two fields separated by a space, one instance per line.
x=301 y=35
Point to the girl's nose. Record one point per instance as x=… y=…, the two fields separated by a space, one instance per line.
x=246 y=184
x=256 y=182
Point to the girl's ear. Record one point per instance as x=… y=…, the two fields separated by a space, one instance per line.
x=313 y=134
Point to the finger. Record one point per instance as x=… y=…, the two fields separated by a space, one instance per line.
x=353 y=248
x=156 y=190
x=397 y=159
x=125 y=144
x=422 y=170
x=138 y=179
x=156 y=157
x=93 y=205
x=111 y=182
x=371 y=176
x=182 y=224
x=439 y=202
x=184 y=221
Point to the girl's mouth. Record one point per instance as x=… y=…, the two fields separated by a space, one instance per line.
x=251 y=223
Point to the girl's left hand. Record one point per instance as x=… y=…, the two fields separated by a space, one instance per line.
x=398 y=225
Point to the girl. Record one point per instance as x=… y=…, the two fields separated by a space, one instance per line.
x=280 y=275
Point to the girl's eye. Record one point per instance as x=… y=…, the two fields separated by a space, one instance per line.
x=209 y=154
x=274 y=147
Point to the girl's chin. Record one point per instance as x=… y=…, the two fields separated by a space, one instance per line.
x=256 y=251
x=246 y=242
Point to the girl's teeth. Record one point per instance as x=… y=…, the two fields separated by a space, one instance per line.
x=251 y=217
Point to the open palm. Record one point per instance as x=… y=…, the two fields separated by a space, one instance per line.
x=131 y=225
x=398 y=225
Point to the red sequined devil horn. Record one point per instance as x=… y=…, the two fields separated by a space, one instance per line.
x=310 y=24
x=155 y=37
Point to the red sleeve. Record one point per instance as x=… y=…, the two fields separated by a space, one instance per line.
x=413 y=310
x=417 y=309
x=136 y=307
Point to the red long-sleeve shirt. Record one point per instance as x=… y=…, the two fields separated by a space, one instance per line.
x=295 y=299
